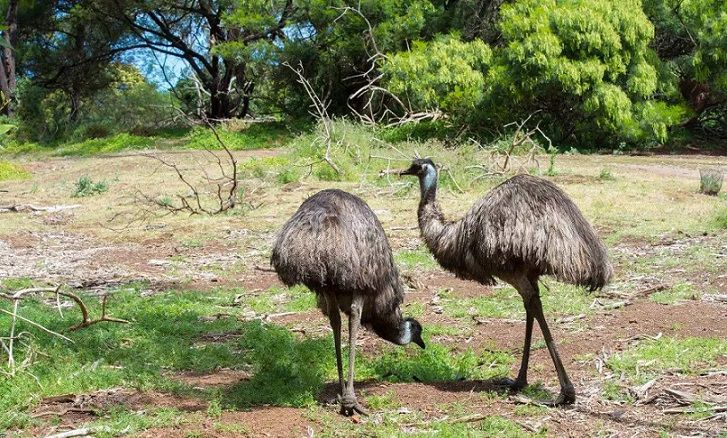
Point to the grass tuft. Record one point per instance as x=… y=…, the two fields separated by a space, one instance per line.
x=86 y=187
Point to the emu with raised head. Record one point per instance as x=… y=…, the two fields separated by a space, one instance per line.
x=522 y=229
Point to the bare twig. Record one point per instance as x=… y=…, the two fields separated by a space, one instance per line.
x=320 y=112
x=225 y=188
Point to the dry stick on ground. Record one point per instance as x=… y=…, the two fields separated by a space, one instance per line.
x=17 y=296
x=320 y=112
x=22 y=208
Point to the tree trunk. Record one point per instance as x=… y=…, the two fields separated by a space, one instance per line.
x=8 y=80
x=75 y=107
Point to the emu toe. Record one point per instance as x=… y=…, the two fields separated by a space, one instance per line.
x=567 y=396
x=350 y=406
x=513 y=385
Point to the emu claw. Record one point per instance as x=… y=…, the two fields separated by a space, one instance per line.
x=350 y=406
x=513 y=385
x=567 y=396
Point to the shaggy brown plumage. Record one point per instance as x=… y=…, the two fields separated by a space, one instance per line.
x=524 y=228
x=335 y=245
x=525 y=223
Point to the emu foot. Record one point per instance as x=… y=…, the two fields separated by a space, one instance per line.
x=350 y=406
x=513 y=385
x=567 y=396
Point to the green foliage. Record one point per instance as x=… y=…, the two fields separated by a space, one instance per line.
x=126 y=103
x=86 y=187
x=445 y=74
x=590 y=57
x=649 y=358
x=11 y=171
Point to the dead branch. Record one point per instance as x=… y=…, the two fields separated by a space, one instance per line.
x=320 y=112
x=22 y=208
x=378 y=103
x=17 y=296
x=225 y=187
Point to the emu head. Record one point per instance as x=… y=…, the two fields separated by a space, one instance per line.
x=425 y=170
x=413 y=332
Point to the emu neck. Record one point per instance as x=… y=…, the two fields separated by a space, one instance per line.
x=431 y=219
x=440 y=236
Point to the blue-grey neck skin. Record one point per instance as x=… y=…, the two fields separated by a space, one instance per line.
x=428 y=183
x=405 y=336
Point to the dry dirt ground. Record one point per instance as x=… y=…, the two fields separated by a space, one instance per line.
x=650 y=215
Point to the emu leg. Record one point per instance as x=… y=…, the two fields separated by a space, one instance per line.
x=334 y=316
x=349 y=404
x=522 y=376
x=567 y=391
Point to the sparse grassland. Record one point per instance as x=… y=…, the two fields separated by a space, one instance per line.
x=217 y=346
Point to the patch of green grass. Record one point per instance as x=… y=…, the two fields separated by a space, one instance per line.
x=108 y=145
x=242 y=137
x=415 y=259
x=537 y=392
x=613 y=391
x=384 y=401
x=529 y=410
x=414 y=309
x=12 y=171
x=446 y=330
x=280 y=299
x=719 y=218
x=86 y=187
x=676 y=293
x=163 y=335
x=606 y=175
x=118 y=420
x=287 y=372
x=231 y=428
x=17 y=283
x=505 y=302
x=701 y=411
x=437 y=363
x=650 y=358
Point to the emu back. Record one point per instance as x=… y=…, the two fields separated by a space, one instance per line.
x=335 y=243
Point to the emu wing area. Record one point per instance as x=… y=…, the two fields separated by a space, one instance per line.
x=530 y=224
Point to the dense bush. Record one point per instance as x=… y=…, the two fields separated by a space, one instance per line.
x=594 y=74
x=129 y=105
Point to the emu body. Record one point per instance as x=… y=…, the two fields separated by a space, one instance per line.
x=522 y=229
x=335 y=245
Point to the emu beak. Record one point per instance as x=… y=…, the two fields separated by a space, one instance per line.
x=409 y=171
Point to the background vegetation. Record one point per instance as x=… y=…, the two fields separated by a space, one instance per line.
x=594 y=74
